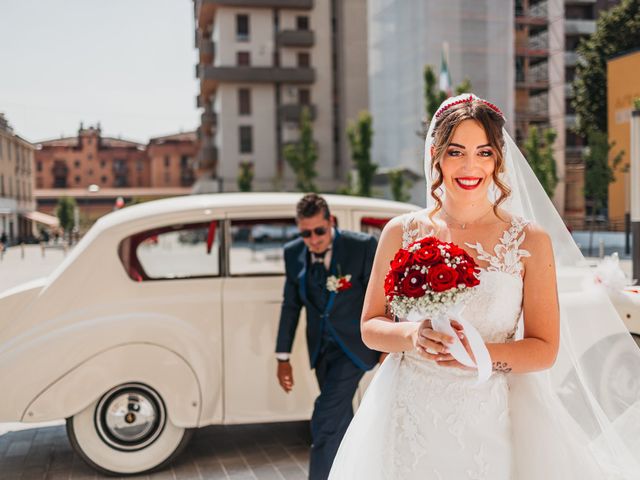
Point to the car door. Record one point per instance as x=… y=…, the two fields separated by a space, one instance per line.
x=252 y=293
x=178 y=270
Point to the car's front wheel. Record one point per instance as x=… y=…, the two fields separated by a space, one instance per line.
x=126 y=431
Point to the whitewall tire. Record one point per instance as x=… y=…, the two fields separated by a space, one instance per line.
x=126 y=431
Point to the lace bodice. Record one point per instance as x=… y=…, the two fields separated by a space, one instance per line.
x=497 y=304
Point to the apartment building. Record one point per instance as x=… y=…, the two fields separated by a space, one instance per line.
x=100 y=172
x=548 y=33
x=260 y=63
x=171 y=160
x=16 y=185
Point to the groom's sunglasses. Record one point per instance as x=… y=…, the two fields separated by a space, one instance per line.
x=319 y=231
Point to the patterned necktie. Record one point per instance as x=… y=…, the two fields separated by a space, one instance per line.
x=318 y=271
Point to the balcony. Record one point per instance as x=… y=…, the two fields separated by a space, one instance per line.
x=296 y=38
x=535 y=17
x=293 y=112
x=209 y=118
x=205 y=10
x=523 y=49
x=571 y=59
x=207 y=50
x=207 y=158
x=211 y=75
x=579 y=27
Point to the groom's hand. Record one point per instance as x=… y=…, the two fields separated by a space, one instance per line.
x=285 y=376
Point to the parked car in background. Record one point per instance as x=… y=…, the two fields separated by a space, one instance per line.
x=163 y=319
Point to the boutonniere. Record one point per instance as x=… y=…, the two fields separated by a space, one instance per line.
x=339 y=283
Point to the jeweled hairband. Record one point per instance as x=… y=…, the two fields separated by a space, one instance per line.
x=468 y=100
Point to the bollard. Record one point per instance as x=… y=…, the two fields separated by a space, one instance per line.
x=22 y=251
x=601 y=248
x=42 y=248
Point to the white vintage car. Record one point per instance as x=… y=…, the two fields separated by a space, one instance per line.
x=163 y=319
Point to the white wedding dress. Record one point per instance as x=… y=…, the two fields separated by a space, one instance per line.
x=419 y=420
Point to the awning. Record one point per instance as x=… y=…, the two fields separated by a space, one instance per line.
x=42 y=218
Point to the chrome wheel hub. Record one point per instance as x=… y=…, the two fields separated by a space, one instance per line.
x=130 y=417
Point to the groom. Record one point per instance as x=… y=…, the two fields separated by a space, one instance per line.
x=336 y=351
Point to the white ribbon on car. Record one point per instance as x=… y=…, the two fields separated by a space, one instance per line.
x=441 y=323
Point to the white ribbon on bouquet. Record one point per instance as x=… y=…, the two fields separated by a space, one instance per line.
x=441 y=323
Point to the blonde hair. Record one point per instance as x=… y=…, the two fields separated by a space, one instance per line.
x=492 y=123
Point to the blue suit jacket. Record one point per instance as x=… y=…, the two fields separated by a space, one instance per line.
x=352 y=254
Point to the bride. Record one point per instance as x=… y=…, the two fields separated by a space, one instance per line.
x=548 y=410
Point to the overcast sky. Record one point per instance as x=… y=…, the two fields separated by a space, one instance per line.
x=128 y=64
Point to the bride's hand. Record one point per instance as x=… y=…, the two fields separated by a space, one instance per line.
x=452 y=362
x=433 y=345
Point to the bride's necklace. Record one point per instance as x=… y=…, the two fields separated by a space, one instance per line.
x=463 y=225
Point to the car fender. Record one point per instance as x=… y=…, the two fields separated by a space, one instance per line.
x=31 y=365
x=161 y=369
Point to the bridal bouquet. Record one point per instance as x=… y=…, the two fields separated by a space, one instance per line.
x=434 y=279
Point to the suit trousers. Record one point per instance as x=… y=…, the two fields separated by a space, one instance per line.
x=338 y=378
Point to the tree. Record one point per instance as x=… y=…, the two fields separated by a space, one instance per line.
x=617 y=30
x=399 y=185
x=360 y=135
x=538 y=148
x=433 y=96
x=599 y=173
x=245 y=177
x=302 y=155
x=64 y=211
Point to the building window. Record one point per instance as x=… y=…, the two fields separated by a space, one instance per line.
x=304 y=60
x=76 y=163
x=302 y=22
x=103 y=163
x=243 y=59
x=246 y=139
x=39 y=166
x=242 y=27
x=167 y=161
x=90 y=171
x=103 y=179
x=304 y=96
x=76 y=179
x=139 y=165
x=90 y=157
x=173 y=253
x=244 y=101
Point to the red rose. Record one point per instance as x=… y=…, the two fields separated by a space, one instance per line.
x=401 y=260
x=442 y=278
x=391 y=280
x=456 y=251
x=427 y=255
x=344 y=284
x=467 y=275
x=429 y=242
x=411 y=285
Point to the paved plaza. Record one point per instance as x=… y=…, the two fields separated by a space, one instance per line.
x=265 y=451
